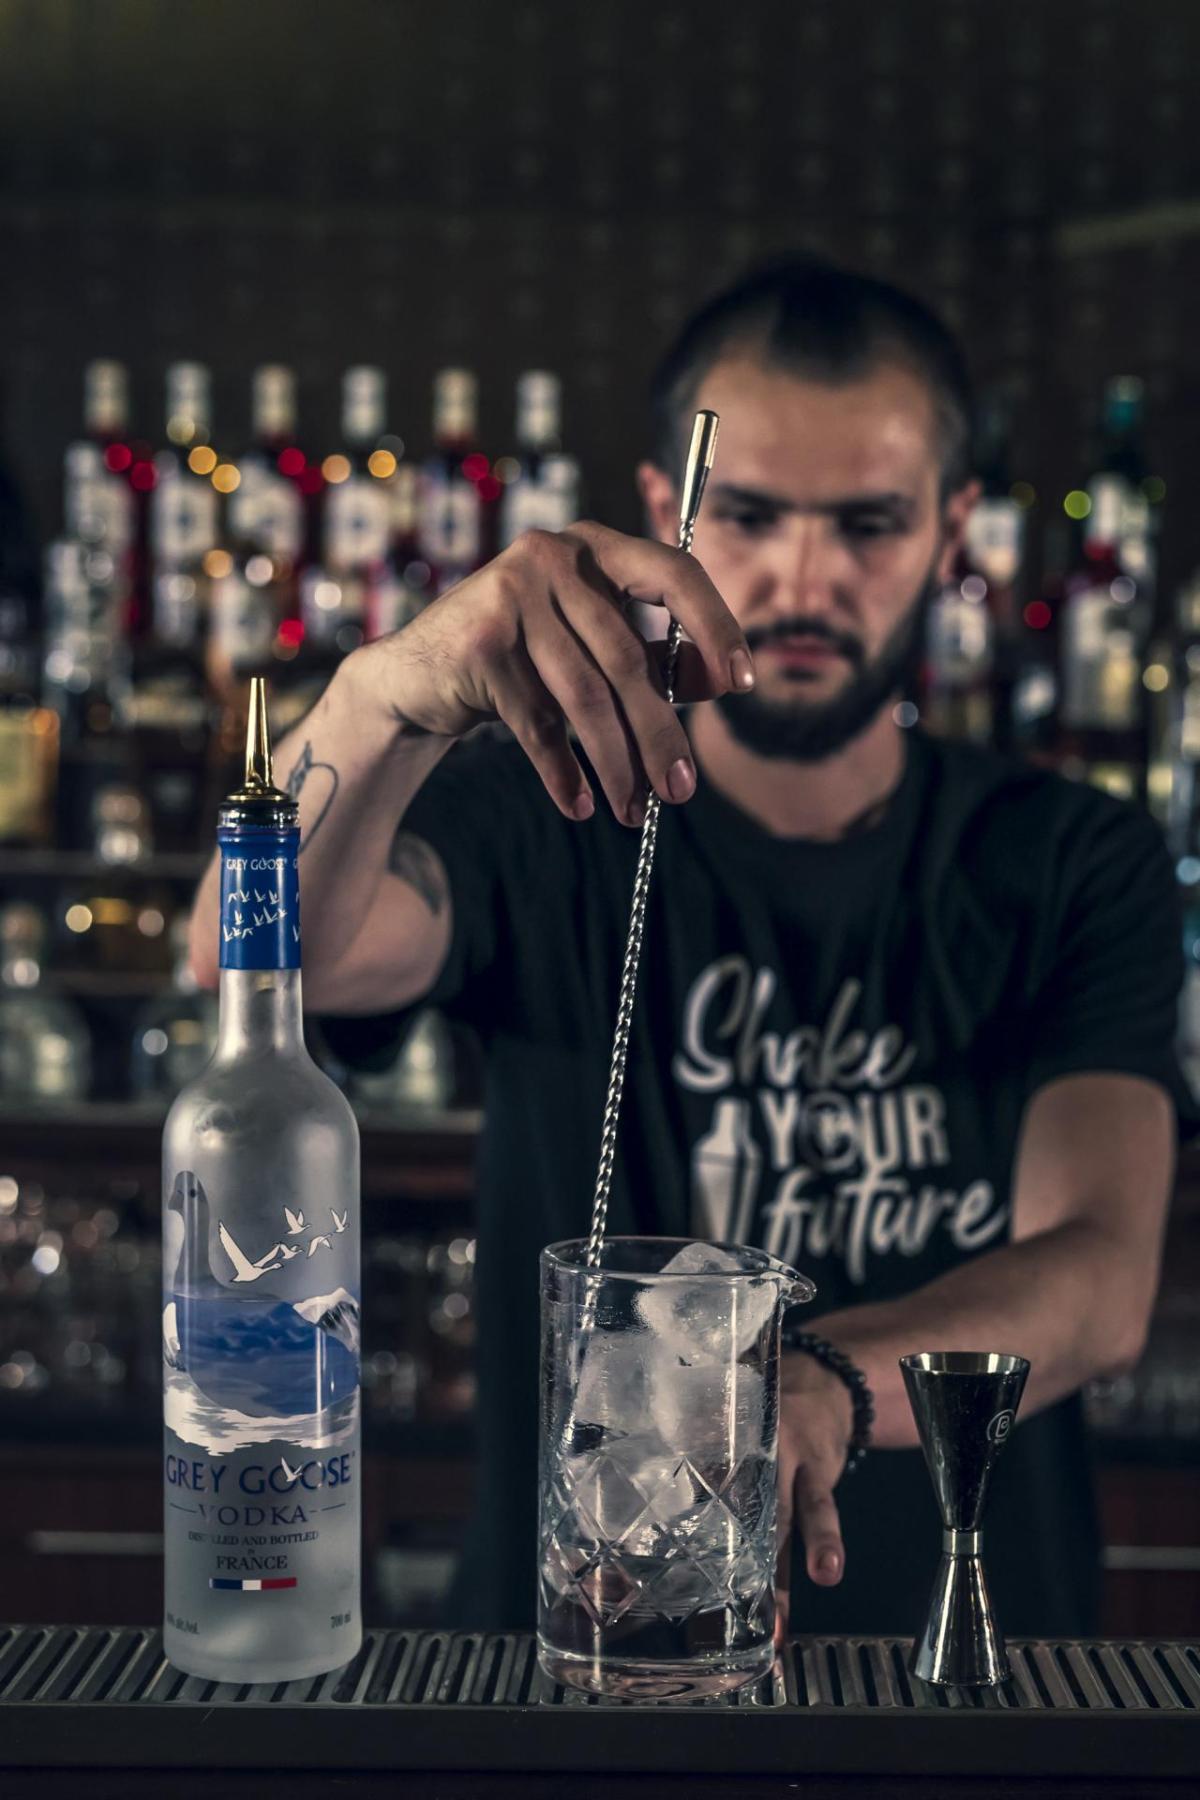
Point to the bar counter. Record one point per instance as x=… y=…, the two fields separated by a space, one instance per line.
x=460 y=1714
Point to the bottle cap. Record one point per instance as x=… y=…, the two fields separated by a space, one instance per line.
x=274 y=400
x=538 y=402
x=188 y=386
x=106 y=396
x=364 y=404
x=454 y=393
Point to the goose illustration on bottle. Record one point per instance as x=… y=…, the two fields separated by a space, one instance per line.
x=230 y=1338
x=243 y=1268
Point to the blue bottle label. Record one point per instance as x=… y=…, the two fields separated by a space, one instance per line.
x=260 y=899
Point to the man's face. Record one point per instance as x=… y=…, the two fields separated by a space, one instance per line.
x=822 y=530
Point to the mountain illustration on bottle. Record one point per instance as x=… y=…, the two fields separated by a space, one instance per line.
x=241 y=1364
x=337 y=1313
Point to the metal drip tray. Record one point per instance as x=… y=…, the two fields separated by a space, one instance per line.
x=72 y=1697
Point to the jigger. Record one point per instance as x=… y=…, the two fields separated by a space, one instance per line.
x=964 y=1403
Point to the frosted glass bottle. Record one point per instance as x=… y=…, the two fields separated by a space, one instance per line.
x=261 y=1298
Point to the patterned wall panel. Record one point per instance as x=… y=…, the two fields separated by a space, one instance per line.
x=518 y=182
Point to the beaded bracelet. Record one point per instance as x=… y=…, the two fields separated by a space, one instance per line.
x=862 y=1400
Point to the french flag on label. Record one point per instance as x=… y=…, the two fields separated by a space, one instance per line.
x=252 y=1587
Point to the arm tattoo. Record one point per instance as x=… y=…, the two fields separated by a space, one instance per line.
x=326 y=778
x=414 y=862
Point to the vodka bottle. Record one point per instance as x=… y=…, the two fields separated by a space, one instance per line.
x=184 y=507
x=266 y=509
x=1110 y=605
x=168 y=690
x=357 y=521
x=260 y=1323
x=543 y=491
x=98 y=504
x=451 y=527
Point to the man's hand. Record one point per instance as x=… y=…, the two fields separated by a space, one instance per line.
x=816 y=1422
x=540 y=638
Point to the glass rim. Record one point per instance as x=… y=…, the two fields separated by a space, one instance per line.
x=801 y=1288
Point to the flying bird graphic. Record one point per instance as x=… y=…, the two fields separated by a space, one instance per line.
x=243 y=1268
x=317 y=1242
x=259 y=1261
x=287 y=1251
x=295 y=1221
x=339 y=1219
x=290 y=1475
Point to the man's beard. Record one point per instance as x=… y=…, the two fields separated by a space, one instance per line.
x=802 y=731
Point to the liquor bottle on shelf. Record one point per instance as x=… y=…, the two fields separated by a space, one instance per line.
x=45 y=1045
x=28 y=773
x=357 y=524
x=973 y=627
x=399 y=589
x=169 y=687
x=244 y=612
x=542 y=489
x=121 y=829
x=356 y=534
x=261 y=1307
x=266 y=529
x=99 y=508
x=184 y=506
x=20 y=631
x=29 y=733
x=957 y=700
x=1033 y=706
x=1108 y=609
x=173 y=1037
x=451 y=531
x=86 y=658
x=266 y=509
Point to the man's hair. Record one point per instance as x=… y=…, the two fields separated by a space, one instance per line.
x=825 y=324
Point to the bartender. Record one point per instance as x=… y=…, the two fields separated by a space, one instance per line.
x=921 y=999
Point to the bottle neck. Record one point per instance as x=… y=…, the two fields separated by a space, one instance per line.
x=274 y=407
x=260 y=1009
x=454 y=410
x=260 y=1014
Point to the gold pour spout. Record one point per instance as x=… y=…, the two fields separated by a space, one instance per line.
x=258 y=740
x=258 y=796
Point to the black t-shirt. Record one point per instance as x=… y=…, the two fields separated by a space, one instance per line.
x=832 y=1048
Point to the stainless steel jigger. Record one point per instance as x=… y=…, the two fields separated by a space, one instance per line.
x=964 y=1404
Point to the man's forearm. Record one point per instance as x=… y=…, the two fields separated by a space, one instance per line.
x=1057 y=1298
x=352 y=769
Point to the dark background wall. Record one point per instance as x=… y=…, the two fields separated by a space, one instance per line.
x=511 y=183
